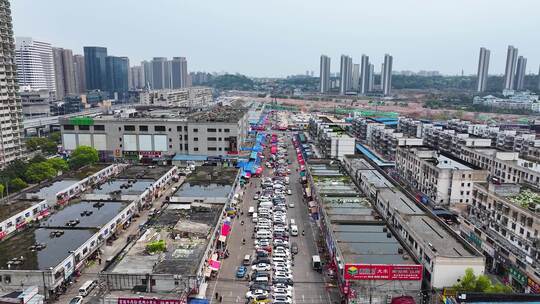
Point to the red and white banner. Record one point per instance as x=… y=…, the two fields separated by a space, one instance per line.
x=383 y=272
x=148 y=301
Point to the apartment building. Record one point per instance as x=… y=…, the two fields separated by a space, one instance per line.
x=505 y=167
x=331 y=136
x=153 y=133
x=410 y=127
x=186 y=97
x=443 y=179
x=451 y=141
x=504 y=223
x=11 y=113
x=385 y=141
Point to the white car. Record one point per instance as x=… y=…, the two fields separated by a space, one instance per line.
x=76 y=300
x=282 y=299
x=282 y=286
x=256 y=293
x=283 y=270
x=282 y=275
x=289 y=192
x=280 y=242
x=282 y=291
x=261 y=267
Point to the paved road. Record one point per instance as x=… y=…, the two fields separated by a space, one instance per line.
x=309 y=285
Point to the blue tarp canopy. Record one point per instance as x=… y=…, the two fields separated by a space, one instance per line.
x=373 y=157
x=198 y=301
x=186 y=157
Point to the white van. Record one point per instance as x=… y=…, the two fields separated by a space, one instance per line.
x=86 y=288
x=255 y=217
x=261 y=280
x=292 y=222
x=263 y=234
x=294 y=230
x=251 y=210
x=247 y=260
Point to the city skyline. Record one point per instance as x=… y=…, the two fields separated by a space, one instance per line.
x=405 y=37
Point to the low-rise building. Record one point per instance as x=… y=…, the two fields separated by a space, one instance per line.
x=192 y=97
x=153 y=133
x=445 y=180
x=504 y=167
x=369 y=261
x=331 y=137
x=443 y=253
x=504 y=223
x=35 y=104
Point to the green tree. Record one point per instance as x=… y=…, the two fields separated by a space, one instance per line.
x=472 y=283
x=55 y=136
x=58 y=164
x=2 y=188
x=38 y=172
x=44 y=144
x=17 y=184
x=82 y=156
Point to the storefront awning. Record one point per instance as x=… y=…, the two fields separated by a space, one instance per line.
x=214 y=265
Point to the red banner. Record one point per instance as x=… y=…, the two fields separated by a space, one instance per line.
x=383 y=272
x=148 y=301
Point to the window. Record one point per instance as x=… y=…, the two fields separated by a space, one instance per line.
x=195 y=139
x=129 y=128
x=170 y=146
x=69 y=127
x=220 y=139
x=159 y=128
x=226 y=130
x=195 y=130
x=211 y=130
x=181 y=147
x=84 y=128
x=219 y=130
x=178 y=128
x=211 y=148
x=195 y=149
x=143 y=128
x=219 y=149
x=185 y=137
x=170 y=129
x=99 y=128
x=186 y=146
x=211 y=139
x=185 y=128
x=170 y=139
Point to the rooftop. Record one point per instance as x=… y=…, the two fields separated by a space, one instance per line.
x=445 y=162
x=124 y=186
x=348 y=210
x=207 y=175
x=144 y=172
x=89 y=214
x=400 y=202
x=14 y=207
x=370 y=244
x=19 y=250
x=440 y=240
x=48 y=192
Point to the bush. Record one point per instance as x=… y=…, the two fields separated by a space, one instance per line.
x=58 y=164
x=472 y=283
x=17 y=184
x=157 y=246
x=38 y=172
x=82 y=156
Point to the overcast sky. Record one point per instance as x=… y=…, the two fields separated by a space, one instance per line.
x=283 y=37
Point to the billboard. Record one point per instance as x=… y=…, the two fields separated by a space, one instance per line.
x=383 y=272
x=148 y=301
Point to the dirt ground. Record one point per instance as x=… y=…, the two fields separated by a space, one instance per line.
x=410 y=107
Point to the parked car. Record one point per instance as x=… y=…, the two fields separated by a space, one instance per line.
x=76 y=300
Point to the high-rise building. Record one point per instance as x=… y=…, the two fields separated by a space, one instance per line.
x=159 y=69
x=148 y=74
x=117 y=69
x=179 y=73
x=345 y=72
x=324 y=74
x=64 y=72
x=364 y=75
x=80 y=74
x=483 y=67
x=539 y=78
x=95 y=68
x=136 y=78
x=510 y=69
x=35 y=66
x=371 y=77
x=387 y=75
x=11 y=127
x=520 y=73
x=355 y=77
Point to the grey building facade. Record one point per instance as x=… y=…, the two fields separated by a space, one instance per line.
x=345 y=73
x=179 y=73
x=364 y=75
x=95 y=67
x=520 y=73
x=387 y=75
x=510 y=68
x=483 y=68
x=324 y=74
x=64 y=72
x=80 y=75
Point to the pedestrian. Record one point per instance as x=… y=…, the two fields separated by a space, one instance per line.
x=99 y=261
x=220 y=299
x=217 y=295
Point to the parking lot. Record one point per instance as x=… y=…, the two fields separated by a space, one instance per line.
x=306 y=284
